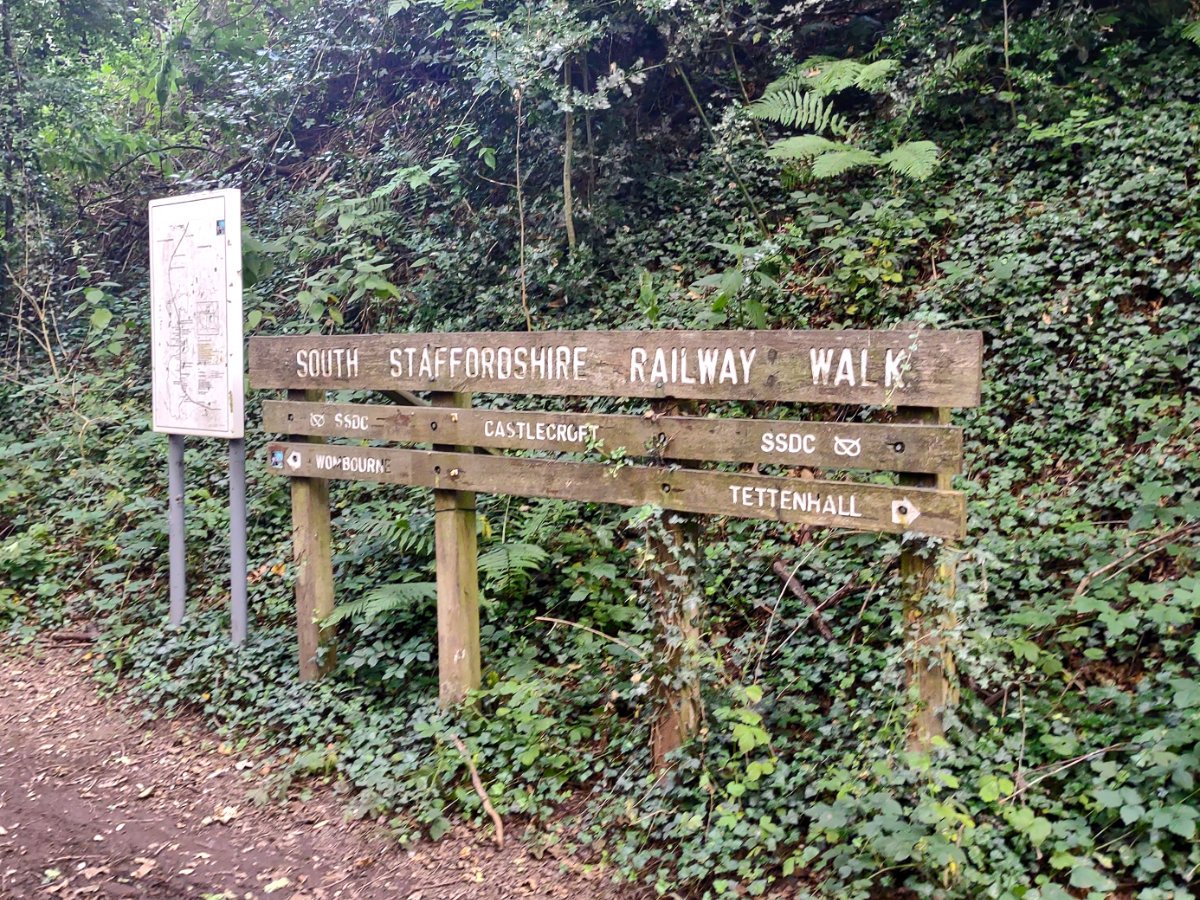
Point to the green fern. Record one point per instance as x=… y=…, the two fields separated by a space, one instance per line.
x=960 y=63
x=828 y=159
x=798 y=109
x=838 y=162
x=509 y=565
x=414 y=536
x=1191 y=32
x=546 y=513
x=804 y=147
x=913 y=159
x=798 y=100
x=384 y=599
x=823 y=75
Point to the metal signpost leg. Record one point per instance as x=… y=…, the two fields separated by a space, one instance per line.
x=237 y=539
x=177 y=554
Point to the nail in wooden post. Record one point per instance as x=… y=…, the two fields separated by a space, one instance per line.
x=311 y=549
x=457 y=580
x=930 y=663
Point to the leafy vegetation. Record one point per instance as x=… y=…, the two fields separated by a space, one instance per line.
x=451 y=164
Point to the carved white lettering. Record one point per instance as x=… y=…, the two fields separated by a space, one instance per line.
x=820 y=361
x=894 y=364
x=845 y=371
x=841 y=505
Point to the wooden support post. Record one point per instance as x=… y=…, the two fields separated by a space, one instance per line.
x=311 y=549
x=930 y=665
x=678 y=594
x=457 y=581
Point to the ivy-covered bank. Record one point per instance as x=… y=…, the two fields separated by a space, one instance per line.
x=461 y=165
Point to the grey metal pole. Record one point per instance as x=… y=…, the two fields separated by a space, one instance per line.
x=237 y=539
x=177 y=554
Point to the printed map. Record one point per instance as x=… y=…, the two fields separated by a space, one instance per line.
x=196 y=299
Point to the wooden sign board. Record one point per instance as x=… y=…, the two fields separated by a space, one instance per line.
x=826 y=445
x=864 y=507
x=908 y=368
x=911 y=367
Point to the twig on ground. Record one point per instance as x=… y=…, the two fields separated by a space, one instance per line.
x=477 y=783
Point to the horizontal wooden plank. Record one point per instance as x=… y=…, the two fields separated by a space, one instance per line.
x=827 y=445
x=907 y=367
x=862 y=507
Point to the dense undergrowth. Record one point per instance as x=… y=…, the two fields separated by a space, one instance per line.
x=377 y=151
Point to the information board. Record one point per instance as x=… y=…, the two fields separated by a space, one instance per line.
x=196 y=314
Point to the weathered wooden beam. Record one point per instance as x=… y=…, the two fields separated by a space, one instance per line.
x=678 y=592
x=912 y=367
x=840 y=504
x=787 y=442
x=312 y=552
x=930 y=663
x=457 y=578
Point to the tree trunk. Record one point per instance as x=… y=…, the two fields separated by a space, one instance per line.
x=568 y=153
x=11 y=113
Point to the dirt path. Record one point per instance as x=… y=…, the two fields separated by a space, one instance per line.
x=95 y=804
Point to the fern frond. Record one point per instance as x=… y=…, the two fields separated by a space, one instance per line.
x=830 y=165
x=508 y=565
x=1191 y=32
x=415 y=536
x=871 y=76
x=796 y=109
x=961 y=61
x=824 y=75
x=913 y=159
x=804 y=146
x=384 y=599
x=546 y=512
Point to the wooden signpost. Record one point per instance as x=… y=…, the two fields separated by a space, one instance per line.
x=901 y=369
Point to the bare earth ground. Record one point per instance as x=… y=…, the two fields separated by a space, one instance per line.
x=94 y=803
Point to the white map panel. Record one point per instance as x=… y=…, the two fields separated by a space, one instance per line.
x=196 y=314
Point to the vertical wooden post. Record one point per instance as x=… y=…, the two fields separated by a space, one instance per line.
x=677 y=631
x=930 y=663
x=457 y=580
x=311 y=549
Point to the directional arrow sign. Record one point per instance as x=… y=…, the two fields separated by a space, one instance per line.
x=904 y=512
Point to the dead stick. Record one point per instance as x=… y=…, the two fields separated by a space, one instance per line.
x=608 y=637
x=479 y=789
x=71 y=636
x=1141 y=549
x=798 y=589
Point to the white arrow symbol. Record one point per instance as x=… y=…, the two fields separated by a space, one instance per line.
x=904 y=512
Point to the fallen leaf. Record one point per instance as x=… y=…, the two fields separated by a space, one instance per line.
x=277 y=885
x=147 y=865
